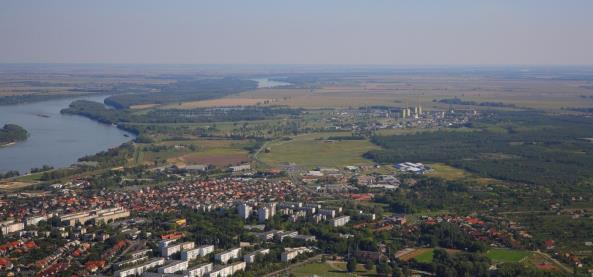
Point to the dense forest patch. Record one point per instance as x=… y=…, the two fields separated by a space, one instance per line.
x=519 y=146
x=99 y=112
x=12 y=133
x=183 y=90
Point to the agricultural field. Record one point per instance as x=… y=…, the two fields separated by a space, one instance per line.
x=308 y=151
x=221 y=102
x=397 y=90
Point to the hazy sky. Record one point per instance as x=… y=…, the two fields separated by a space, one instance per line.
x=414 y=32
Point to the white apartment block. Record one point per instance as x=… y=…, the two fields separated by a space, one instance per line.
x=225 y=256
x=281 y=235
x=173 y=267
x=229 y=270
x=250 y=257
x=291 y=253
x=201 y=251
x=327 y=212
x=340 y=221
x=104 y=215
x=35 y=220
x=10 y=226
x=200 y=270
x=263 y=214
x=244 y=211
x=138 y=270
x=171 y=249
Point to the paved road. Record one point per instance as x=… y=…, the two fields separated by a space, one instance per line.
x=559 y=264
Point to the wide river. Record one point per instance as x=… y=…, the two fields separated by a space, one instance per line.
x=55 y=139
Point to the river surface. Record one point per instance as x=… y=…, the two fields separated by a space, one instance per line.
x=55 y=139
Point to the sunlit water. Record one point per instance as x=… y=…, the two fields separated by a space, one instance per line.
x=55 y=139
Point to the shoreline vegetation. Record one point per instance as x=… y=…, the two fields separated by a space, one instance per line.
x=33 y=98
x=10 y=134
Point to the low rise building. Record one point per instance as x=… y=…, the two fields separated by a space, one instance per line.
x=238 y=168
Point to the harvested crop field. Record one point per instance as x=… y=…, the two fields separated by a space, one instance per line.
x=222 y=102
x=215 y=159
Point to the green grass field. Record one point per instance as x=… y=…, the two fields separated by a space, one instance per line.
x=337 y=269
x=425 y=257
x=321 y=269
x=306 y=151
x=450 y=173
x=507 y=255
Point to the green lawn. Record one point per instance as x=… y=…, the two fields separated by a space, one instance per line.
x=507 y=255
x=425 y=257
x=307 y=151
x=324 y=269
x=321 y=269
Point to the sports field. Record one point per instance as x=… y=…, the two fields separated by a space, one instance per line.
x=507 y=255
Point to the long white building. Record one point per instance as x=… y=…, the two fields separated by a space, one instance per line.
x=250 y=257
x=138 y=270
x=173 y=267
x=10 y=226
x=227 y=270
x=291 y=253
x=171 y=249
x=200 y=270
x=225 y=256
x=340 y=221
x=201 y=251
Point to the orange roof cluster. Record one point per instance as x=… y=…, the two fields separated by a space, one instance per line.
x=176 y=235
x=94 y=265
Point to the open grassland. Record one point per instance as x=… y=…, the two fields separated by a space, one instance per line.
x=507 y=255
x=7 y=186
x=308 y=151
x=450 y=173
x=215 y=152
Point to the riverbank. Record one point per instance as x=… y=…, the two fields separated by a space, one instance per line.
x=7 y=144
